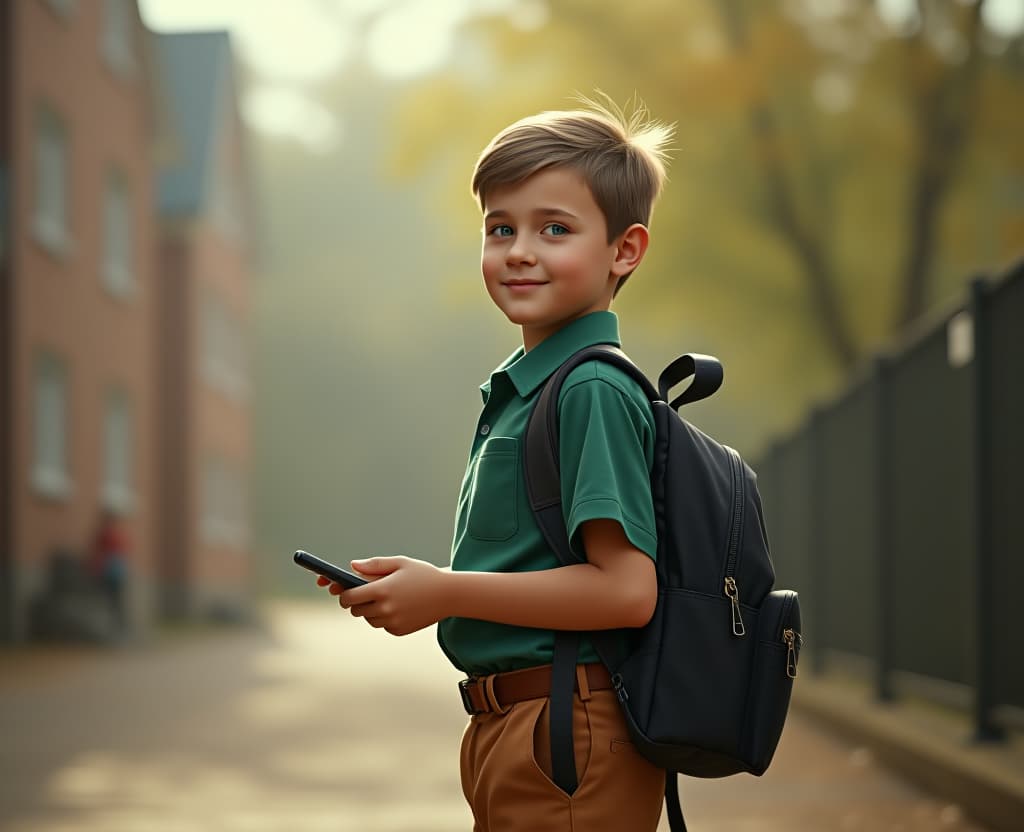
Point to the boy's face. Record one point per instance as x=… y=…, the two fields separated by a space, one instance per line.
x=546 y=258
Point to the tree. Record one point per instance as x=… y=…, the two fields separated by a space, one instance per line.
x=829 y=169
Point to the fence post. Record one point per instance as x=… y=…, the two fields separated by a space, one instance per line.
x=985 y=727
x=883 y=529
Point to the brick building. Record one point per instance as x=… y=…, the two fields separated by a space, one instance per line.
x=207 y=266
x=123 y=311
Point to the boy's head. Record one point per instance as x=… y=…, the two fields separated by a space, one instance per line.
x=621 y=159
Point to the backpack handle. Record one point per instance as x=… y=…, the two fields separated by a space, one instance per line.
x=707 y=375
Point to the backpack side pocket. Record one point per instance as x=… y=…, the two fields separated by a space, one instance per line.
x=774 y=668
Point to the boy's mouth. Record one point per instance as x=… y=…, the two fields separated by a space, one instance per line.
x=523 y=285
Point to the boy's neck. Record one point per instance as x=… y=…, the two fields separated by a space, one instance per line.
x=534 y=336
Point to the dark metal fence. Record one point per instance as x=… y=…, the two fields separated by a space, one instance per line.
x=896 y=510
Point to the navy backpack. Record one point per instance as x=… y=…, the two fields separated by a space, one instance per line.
x=705 y=685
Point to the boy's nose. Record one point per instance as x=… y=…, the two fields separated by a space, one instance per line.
x=519 y=254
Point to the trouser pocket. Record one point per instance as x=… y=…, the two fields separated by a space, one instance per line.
x=581 y=737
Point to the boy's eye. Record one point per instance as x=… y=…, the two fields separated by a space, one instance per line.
x=556 y=229
x=501 y=231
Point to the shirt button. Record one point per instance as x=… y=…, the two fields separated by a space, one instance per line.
x=485 y=429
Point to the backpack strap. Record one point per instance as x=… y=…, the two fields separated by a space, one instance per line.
x=676 y=822
x=563 y=677
x=540 y=465
x=540 y=459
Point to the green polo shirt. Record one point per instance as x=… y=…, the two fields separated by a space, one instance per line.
x=606 y=452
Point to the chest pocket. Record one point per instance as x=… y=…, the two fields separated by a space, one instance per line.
x=493 y=511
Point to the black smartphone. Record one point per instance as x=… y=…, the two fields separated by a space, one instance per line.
x=328 y=570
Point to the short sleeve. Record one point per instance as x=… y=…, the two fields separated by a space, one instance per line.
x=606 y=445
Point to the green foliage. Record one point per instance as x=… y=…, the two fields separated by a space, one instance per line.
x=856 y=114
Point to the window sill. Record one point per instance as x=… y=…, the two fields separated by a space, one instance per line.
x=54 y=485
x=119 y=282
x=119 y=499
x=53 y=238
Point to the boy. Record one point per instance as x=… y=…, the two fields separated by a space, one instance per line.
x=567 y=198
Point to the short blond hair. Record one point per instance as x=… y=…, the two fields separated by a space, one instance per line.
x=621 y=158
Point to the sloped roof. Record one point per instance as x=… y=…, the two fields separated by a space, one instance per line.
x=195 y=70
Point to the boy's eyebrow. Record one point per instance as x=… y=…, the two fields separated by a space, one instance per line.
x=541 y=212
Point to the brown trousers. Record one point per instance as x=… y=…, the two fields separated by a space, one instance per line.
x=506 y=772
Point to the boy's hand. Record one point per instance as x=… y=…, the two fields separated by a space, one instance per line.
x=405 y=595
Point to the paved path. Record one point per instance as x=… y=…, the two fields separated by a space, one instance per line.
x=321 y=723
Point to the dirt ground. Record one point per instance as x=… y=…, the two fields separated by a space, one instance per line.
x=317 y=722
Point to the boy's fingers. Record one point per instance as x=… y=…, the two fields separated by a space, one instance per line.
x=376 y=566
x=321 y=580
x=362 y=610
x=361 y=595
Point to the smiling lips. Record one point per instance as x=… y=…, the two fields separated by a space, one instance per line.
x=523 y=285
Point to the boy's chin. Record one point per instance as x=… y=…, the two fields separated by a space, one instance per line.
x=521 y=318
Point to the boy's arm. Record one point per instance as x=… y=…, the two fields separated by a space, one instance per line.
x=617 y=587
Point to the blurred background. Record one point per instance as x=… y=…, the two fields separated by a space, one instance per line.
x=241 y=310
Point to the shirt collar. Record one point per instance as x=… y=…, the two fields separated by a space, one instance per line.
x=528 y=370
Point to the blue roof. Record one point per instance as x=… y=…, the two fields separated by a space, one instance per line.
x=195 y=72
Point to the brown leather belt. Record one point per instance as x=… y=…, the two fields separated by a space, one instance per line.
x=498 y=692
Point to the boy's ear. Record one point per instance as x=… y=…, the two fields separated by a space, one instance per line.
x=630 y=249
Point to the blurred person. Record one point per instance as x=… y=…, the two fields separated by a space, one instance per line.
x=108 y=564
x=567 y=198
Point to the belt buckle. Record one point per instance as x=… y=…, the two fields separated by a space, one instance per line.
x=467 y=703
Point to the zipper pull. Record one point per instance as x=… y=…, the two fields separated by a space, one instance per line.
x=789 y=635
x=733 y=594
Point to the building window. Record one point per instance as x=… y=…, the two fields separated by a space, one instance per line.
x=51 y=209
x=118 y=438
x=224 y=358
x=117 y=41
x=49 y=469
x=224 y=509
x=117 y=237
x=62 y=7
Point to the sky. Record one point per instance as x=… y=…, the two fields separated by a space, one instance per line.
x=399 y=39
x=315 y=39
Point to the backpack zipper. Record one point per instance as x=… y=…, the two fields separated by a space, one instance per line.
x=792 y=638
x=732 y=591
x=733 y=594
